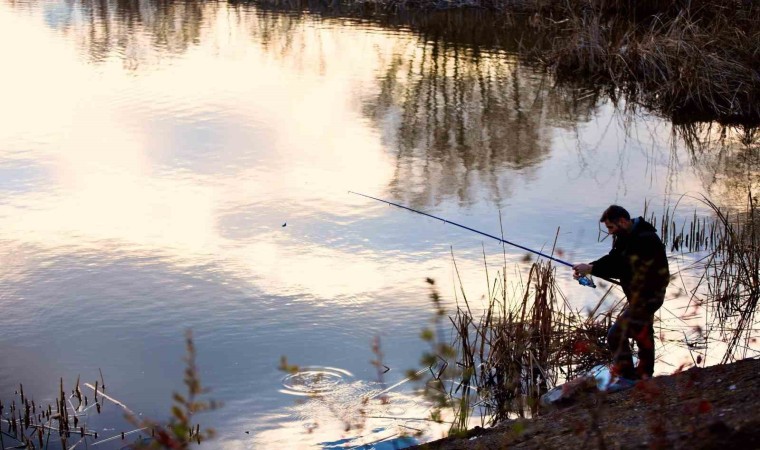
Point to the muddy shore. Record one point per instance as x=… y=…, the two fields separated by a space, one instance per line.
x=699 y=408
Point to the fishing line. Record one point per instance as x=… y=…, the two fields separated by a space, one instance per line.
x=583 y=280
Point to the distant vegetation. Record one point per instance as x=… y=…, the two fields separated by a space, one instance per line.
x=692 y=60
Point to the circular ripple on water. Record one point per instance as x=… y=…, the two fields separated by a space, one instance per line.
x=314 y=380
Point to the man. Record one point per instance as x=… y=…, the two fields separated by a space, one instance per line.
x=638 y=260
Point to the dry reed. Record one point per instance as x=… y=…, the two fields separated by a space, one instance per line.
x=729 y=286
x=515 y=349
x=691 y=61
x=727 y=270
x=65 y=425
x=695 y=61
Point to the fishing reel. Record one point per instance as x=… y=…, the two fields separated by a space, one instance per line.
x=586 y=281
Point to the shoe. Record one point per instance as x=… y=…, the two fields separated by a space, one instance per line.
x=620 y=384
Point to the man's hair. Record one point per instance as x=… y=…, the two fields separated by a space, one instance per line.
x=614 y=213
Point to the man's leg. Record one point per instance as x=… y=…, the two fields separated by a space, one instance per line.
x=643 y=333
x=644 y=338
x=617 y=341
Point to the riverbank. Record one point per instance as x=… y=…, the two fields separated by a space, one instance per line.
x=699 y=408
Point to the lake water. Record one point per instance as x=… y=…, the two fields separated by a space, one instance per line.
x=167 y=166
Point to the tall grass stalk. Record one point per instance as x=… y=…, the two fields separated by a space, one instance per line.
x=519 y=345
x=730 y=283
x=31 y=425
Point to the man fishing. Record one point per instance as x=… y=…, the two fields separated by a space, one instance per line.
x=638 y=260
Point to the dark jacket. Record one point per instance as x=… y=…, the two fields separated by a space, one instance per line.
x=638 y=260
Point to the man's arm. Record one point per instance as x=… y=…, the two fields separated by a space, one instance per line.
x=608 y=266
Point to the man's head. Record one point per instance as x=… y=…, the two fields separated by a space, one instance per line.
x=617 y=220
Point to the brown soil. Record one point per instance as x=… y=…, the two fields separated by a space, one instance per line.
x=701 y=408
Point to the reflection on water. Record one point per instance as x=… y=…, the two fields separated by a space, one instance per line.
x=463 y=122
x=726 y=160
x=128 y=29
x=455 y=104
x=166 y=165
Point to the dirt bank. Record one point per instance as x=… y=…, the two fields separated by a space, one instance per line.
x=699 y=408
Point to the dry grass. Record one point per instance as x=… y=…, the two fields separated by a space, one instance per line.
x=693 y=60
x=509 y=353
x=698 y=62
x=65 y=425
x=731 y=279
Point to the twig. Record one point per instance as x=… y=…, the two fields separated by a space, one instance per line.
x=102 y=394
x=119 y=436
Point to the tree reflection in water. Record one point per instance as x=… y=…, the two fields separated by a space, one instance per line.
x=459 y=101
x=727 y=160
x=117 y=27
x=455 y=103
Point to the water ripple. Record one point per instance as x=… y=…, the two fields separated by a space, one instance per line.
x=314 y=380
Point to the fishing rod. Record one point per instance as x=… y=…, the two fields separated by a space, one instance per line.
x=583 y=280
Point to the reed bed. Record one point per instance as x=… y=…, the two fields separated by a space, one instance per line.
x=66 y=424
x=30 y=425
x=729 y=285
x=691 y=61
x=518 y=346
x=727 y=270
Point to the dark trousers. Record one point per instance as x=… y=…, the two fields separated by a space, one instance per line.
x=637 y=323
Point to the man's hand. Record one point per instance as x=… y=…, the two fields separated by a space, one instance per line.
x=581 y=269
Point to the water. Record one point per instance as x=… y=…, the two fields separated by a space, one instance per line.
x=186 y=165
